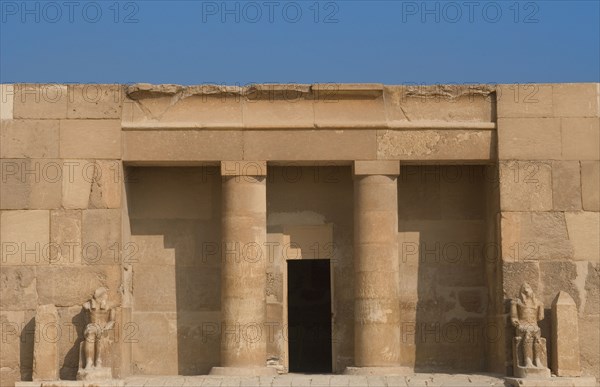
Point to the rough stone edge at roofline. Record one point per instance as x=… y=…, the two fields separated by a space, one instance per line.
x=322 y=90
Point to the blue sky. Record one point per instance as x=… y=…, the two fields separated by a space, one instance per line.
x=242 y=42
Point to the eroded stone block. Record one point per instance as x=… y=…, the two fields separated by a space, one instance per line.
x=18 y=288
x=94 y=139
x=95 y=101
x=77 y=183
x=175 y=145
x=71 y=285
x=30 y=184
x=435 y=144
x=584 y=228
x=566 y=186
x=41 y=101
x=101 y=237
x=45 y=350
x=525 y=186
x=535 y=236
x=25 y=237
x=29 y=139
x=590 y=185
x=524 y=100
x=529 y=139
x=575 y=100
x=65 y=237
x=107 y=185
x=580 y=138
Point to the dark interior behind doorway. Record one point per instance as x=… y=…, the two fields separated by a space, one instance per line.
x=309 y=315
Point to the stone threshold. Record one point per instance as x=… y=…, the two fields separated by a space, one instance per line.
x=290 y=380
x=416 y=125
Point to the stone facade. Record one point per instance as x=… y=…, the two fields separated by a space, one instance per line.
x=433 y=204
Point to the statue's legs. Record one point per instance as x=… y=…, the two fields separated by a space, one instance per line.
x=100 y=342
x=89 y=346
x=537 y=350
x=528 y=349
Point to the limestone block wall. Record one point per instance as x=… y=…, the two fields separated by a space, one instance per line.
x=443 y=251
x=119 y=186
x=548 y=149
x=175 y=222
x=60 y=215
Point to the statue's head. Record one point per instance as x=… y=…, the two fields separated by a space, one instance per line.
x=526 y=290
x=101 y=295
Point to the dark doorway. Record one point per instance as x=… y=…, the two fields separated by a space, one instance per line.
x=309 y=315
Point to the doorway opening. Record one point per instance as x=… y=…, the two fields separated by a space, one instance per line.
x=309 y=315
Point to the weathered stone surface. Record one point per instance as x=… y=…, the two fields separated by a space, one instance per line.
x=77 y=182
x=535 y=236
x=580 y=138
x=29 y=139
x=45 y=350
x=42 y=101
x=378 y=167
x=315 y=145
x=337 y=111
x=174 y=193
x=438 y=103
x=72 y=285
x=243 y=168
x=181 y=145
x=590 y=185
x=584 y=228
x=592 y=289
x=557 y=276
x=575 y=100
x=95 y=101
x=94 y=139
x=515 y=273
x=529 y=139
x=107 y=185
x=525 y=186
x=30 y=184
x=285 y=112
x=565 y=336
x=25 y=237
x=65 y=237
x=524 y=100
x=224 y=110
x=18 y=288
x=566 y=186
x=589 y=355
x=7 y=93
x=435 y=144
x=101 y=237
x=16 y=357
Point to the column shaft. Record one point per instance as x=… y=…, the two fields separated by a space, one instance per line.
x=376 y=265
x=243 y=274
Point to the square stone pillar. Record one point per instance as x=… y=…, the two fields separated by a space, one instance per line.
x=376 y=265
x=565 y=336
x=243 y=270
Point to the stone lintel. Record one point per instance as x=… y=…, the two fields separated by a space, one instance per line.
x=243 y=168
x=376 y=167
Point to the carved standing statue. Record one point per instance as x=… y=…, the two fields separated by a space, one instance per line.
x=529 y=347
x=100 y=318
